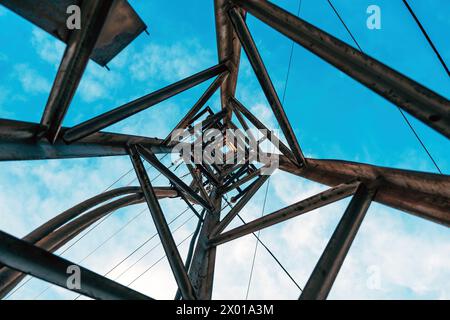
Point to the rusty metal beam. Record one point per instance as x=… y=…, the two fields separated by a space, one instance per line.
x=19 y=141
x=196 y=107
x=229 y=51
x=426 y=195
x=420 y=102
x=202 y=268
x=329 y=264
x=167 y=241
x=52 y=241
x=122 y=25
x=266 y=84
x=22 y=256
x=113 y=116
x=197 y=179
x=243 y=180
x=56 y=232
x=75 y=59
x=153 y=160
x=262 y=128
x=240 y=205
x=64 y=217
x=319 y=200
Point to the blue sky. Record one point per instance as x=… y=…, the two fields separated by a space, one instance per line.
x=333 y=116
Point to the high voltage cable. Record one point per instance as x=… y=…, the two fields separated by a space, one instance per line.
x=398 y=108
x=419 y=24
x=141 y=246
x=268 y=180
x=96 y=225
x=104 y=242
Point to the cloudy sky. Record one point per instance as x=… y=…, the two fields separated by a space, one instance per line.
x=395 y=255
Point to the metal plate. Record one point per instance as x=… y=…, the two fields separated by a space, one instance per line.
x=122 y=26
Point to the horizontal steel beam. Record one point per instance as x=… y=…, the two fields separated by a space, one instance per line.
x=165 y=235
x=319 y=200
x=19 y=141
x=426 y=195
x=22 y=256
x=75 y=59
x=422 y=103
x=259 y=68
x=113 y=116
x=332 y=258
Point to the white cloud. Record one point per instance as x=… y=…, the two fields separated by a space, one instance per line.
x=47 y=47
x=170 y=62
x=31 y=81
x=98 y=83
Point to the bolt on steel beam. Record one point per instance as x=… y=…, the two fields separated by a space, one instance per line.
x=75 y=59
x=113 y=116
x=256 y=62
x=329 y=264
x=20 y=255
x=419 y=101
x=167 y=241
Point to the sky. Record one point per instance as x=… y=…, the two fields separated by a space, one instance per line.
x=394 y=256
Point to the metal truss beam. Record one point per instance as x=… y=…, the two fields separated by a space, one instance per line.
x=426 y=195
x=326 y=270
x=229 y=51
x=22 y=256
x=19 y=141
x=122 y=25
x=64 y=217
x=56 y=232
x=196 y=107
x=243 y=180
x=422 y=103
x=202 y=268
x=167 y=241
x=75 y=59
x=113 y=116
x=322 y=199
x=266 y=84
x=197 y=179
x=151 y=158
x=240 y=205
x=262 y=128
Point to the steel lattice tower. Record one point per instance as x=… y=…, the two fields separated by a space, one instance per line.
x=422 y=194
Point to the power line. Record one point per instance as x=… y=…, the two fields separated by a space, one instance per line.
x=95 y=226
x=416 y=19
x=141 y=246
x=399 y=109
x=268 y=180
x=267 y=248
